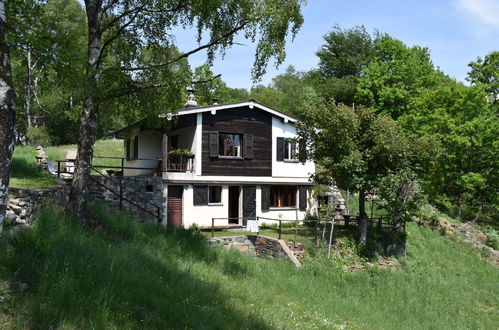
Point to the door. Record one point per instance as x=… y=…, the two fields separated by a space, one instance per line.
x=175 y=205
x=249 y=203
x=234 y=204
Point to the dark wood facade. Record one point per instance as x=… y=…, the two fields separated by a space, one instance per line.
x=246 y=122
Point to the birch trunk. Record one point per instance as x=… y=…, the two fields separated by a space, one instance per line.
x=7 y=117
x=88 y=120
x=28 y=89
x=362 y=217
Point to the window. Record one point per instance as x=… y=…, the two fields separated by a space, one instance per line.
x=229 y=145
x=127 y=149
x=215 y=195
x=290 y=149
x=283 y=196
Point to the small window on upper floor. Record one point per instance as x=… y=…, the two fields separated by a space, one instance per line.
x=290 y=150
x=230 y=145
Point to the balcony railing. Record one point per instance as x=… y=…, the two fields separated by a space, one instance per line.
x=180 y=163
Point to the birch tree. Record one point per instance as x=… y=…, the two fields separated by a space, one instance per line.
x=7 y=116
x=131 y=25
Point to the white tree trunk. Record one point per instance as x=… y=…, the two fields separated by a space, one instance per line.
x=88 y=119
x=7 y=117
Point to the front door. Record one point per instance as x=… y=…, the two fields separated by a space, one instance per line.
x=234 y=204
x=174 y=205
x=249 y=203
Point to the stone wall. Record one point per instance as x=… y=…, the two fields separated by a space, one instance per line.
x=24 y=204
x=146 y=191
x=257 y=245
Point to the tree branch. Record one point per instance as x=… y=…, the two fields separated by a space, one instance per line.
x=133 y=90
x=184 y=55
x=207 y=80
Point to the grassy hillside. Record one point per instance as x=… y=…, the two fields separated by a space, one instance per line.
x=125 y=275
x=27 y=174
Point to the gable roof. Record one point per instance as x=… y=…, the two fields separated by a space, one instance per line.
x=215 y=107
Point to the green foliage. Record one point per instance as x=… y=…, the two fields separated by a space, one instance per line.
x=39 y=136
x=485 y=72
x=104 y=278
x=395 y=75
x=184 y=152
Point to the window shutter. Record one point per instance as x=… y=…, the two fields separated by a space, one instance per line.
x=265 y=198
x=280 y=149
x=136 y=147
x=302 y=151
x=303 y=198
x=248 y=146
x=213 y=140
x=200 y=195
x=127 y=148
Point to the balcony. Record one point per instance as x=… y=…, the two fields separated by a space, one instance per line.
x=180 y=163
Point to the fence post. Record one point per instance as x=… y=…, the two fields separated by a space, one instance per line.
x=380 y=220
x=280 y=229
x=296 y=231
x=212 y=227
x=258 y=225
x=58 y=168
x=122 y=166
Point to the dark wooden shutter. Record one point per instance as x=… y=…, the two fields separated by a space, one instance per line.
x=303 y=198
x=248 y=146
x=136 y=147
x=302 y=151
x=265 y=198
x=213 y=140
x=127 y=148
x=201 y=195
x=280 y=149
x=249 y=202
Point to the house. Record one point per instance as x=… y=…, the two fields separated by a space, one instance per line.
x=231 y=162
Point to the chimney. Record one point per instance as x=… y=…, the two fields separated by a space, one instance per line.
x=215 y=100
x=191 y=99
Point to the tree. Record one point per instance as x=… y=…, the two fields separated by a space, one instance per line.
x=124 y=28
x=342 y=61
x=357 y=149
x=486 y=73
x=7 y=116
x=464 y=177
x=395 y=75
x=48 y=54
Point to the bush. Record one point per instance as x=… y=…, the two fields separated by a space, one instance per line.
x=39 y=136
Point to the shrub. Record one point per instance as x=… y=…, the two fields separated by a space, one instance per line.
x=39 y=136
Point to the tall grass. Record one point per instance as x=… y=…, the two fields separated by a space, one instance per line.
x=26 y=173
x=127 y=275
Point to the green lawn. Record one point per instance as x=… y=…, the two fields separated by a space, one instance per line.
x=27 y=174
x=25 y=171
x=125 y=275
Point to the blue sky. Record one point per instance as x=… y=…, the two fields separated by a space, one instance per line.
x=455 y=31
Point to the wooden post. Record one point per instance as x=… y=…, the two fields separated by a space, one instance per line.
x=164 y=149
x=121 y=196
x=280 y=229
x=58 y=168
x=258 y=225
x=122 y=167
x=212 y=227
x=296 y=228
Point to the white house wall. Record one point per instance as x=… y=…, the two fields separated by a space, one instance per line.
x=201 y=215
x=149 y=147
x=287 y=169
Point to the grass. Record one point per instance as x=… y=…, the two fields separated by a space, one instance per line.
x=26 y=173
x=130 y=276
x=106 y=148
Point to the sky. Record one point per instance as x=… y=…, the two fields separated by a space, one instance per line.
x=455 y=31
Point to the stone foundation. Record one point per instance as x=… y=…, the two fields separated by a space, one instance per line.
x=24 y=204
x=257 y=245
x=138 y=189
